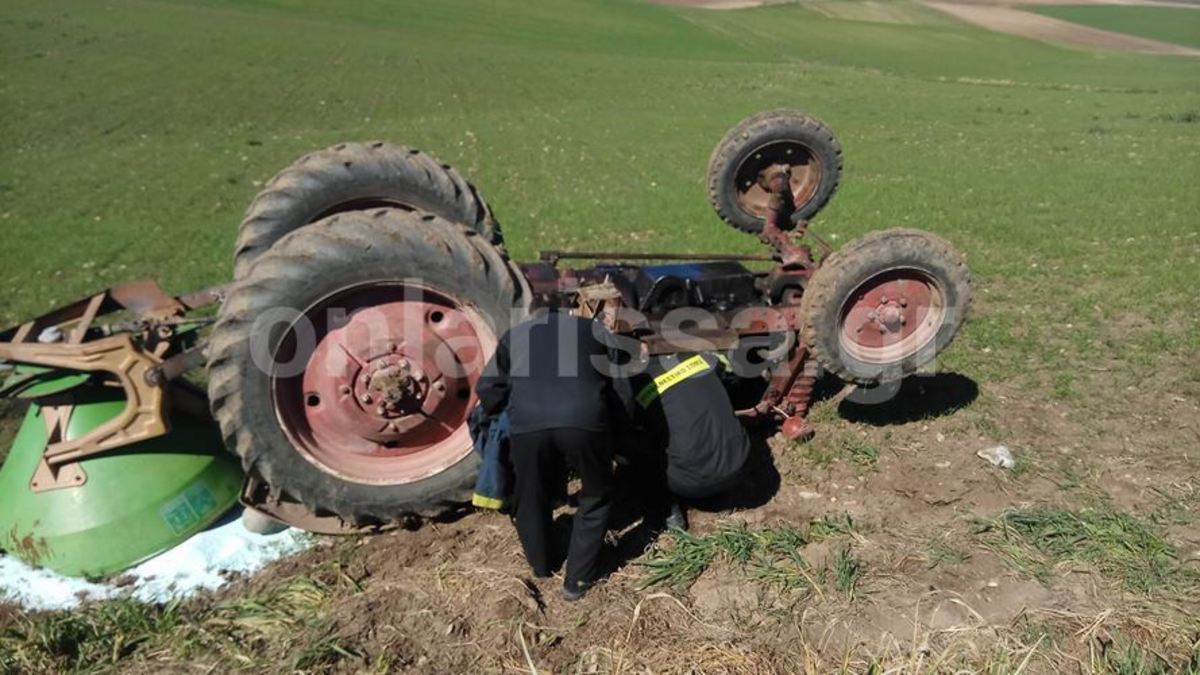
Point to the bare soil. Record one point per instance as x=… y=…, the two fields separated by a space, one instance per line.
x=1012 y=20
x=458 y=597
x=717 y=4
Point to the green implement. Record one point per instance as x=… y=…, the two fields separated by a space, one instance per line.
x=108 y=512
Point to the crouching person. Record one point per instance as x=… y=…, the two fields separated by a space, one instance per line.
x=685 y=406
x=544 y=374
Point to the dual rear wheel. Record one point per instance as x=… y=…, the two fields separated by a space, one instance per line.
x=370 y=291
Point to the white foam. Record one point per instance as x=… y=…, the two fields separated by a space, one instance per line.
x=204 y=562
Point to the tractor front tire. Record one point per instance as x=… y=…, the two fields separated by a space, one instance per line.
x=761 y=141
x=382 y=291
x=886 y=305
x=358 y=176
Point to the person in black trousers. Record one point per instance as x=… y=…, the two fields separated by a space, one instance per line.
x=550 y=373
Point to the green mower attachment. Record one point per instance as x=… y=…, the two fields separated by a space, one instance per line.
x=117 y=459
x=128 y=506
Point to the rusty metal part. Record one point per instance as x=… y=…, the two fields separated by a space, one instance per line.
x=175 y=366
x=776 y=181
x=256 y=494
x=384 y=394
x=892 y=314
x=553 y=257
x=799 y=398
x=803 y=179
x=789 y=392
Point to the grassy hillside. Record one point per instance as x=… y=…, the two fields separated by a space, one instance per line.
x=1180 y=25
x=135 y=134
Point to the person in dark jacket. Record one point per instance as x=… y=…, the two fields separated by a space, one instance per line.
x=685 y=406
x=550 y=373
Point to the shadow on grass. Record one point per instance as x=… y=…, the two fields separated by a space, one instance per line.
x=917 y=398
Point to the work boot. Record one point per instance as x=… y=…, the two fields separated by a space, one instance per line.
x=573 y=591
x=677 y=519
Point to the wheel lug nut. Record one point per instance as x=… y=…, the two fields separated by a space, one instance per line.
x=381 y=411
x=883 y=299
x=904 y=302
x=440 y=386
x=872 y=315
x=365 y=398
x=344 y=389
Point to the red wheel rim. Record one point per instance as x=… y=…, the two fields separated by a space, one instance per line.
x=806 y=175
x=892 y=316
x=386 y=381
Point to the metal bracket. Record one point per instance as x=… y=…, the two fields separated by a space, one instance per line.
x=45 y=476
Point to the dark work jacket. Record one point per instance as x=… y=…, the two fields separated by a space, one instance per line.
x=544 y=373
x=706 y=445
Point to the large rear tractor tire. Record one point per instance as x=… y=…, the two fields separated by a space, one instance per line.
x=885 y=305
x=765 y=140
x=342 y=368
x=352 y=177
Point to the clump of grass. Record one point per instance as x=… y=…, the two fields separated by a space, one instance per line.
x=1176 y=509
x=285 y=624
x=860 y=451
x=1132 y=658
x=770 y=551
x=847 y=571
x=94 y=637
x=819 y=455
x=938 y=552
x=830 y=525
x=770 y=556
x=1116 y=543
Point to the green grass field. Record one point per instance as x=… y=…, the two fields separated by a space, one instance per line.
x=1180 y=25
x=135 y=133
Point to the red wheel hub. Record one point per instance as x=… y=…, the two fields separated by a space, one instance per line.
x=754 y=198
x=892 y=316
x=387 y=385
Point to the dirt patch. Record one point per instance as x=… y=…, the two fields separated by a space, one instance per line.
x=717 y=4
x=1035 y=26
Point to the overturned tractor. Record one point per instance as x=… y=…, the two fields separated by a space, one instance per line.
x=371 y=285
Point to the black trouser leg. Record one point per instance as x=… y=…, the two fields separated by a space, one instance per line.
x=591 y=455
x=649 y=466
x=534 y=461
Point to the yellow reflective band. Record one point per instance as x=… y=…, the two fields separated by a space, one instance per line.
x=669 y=379
x=486 y=502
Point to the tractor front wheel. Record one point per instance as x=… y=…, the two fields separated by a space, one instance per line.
x=886 y=305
